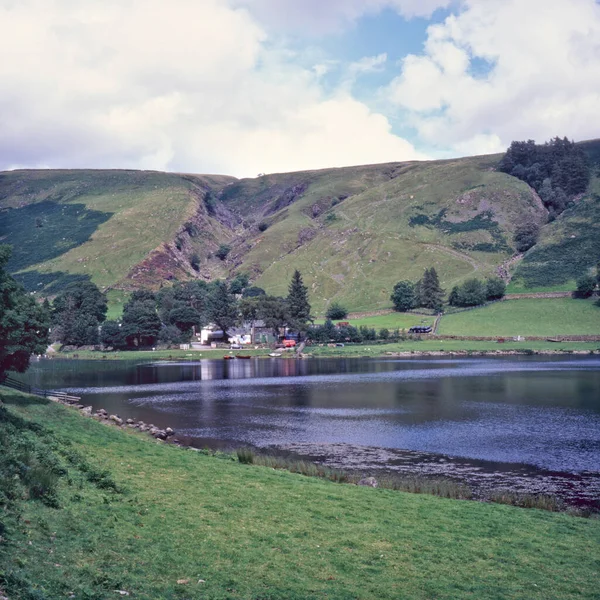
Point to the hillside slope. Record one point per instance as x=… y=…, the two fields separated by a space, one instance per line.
x=569 y=247
x=353 y=232
x=112 y=226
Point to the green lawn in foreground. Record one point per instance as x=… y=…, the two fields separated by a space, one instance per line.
x=226 y=530
x=536 y=317
x=393 y=320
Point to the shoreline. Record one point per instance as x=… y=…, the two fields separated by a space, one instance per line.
x=450 y=348
x=508 y=483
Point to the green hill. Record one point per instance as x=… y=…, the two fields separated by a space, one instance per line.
x=353 y=232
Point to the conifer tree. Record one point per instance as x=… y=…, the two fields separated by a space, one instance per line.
x=298 y=305
x=432 y=295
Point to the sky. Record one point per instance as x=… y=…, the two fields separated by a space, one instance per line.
x=242 y=87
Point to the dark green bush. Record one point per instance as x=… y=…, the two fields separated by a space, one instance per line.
x=336 y=311
x=223 y=251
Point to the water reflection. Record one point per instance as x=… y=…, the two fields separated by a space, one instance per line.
x=534 y=410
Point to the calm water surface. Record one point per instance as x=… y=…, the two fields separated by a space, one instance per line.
x=529 y=410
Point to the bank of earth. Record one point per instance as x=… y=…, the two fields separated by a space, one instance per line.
x=167 y=522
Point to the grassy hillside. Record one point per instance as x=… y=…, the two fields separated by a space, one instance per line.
x=162 y=522
x=98 y=224
x=535 y=317
x=353 y=232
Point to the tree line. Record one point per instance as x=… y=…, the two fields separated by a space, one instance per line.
x=428 y=293
x=168 y=316
x=558 y=170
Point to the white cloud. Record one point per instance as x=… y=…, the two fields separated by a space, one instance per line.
x=544 y=76
x=316 y=17
x=191 y=86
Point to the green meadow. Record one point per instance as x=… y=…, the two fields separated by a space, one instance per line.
x=526 y=317
x=391 y=321
x=99 y=512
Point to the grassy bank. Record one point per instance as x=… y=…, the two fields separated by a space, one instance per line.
x=434 y=345
x=528 y=316
x=369 y=349
x=164 y=522
x=174 y=354
x=391 y=321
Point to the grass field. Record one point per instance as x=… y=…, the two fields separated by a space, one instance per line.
x=393 y=320
x=433 y=345
x=161 y=522
x=534 y=317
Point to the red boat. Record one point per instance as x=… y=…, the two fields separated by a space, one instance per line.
x=242 y=356
x=227 y=357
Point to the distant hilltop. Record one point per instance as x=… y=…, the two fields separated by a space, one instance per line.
x=353 y=232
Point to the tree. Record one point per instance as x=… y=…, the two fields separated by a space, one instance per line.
x=526 y=236
x=432 y=295
x=336 y=311
x=274 y=311
x=23 y=323
x=585 y=286
x=558 y=170
x=299 y=307
x=112 y=335
x=249 y=310
x=77 y=313
x=141 y=323
x=222 y=307
x=185 y=317
x=239 y=283
x=495 y=288
x=404 y=296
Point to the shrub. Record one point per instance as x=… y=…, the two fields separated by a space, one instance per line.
x=495 y=288
x=263 y=226
x=245 y=456
x=253 y=292
x=195 y=261
x=336 y=311
x=472 y=292
x=384 y=333
x=223 y=251
x=585 y=286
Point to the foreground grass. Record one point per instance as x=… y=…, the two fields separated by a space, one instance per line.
x=185 y=525
x=528 y=316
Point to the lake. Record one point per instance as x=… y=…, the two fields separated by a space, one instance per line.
x=502 y=420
